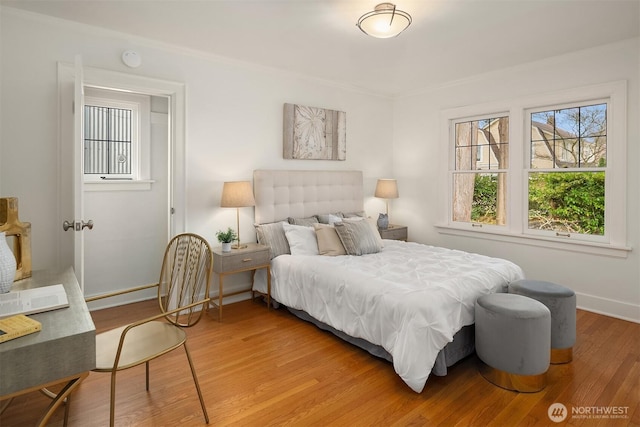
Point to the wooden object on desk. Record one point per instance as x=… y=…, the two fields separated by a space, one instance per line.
x=17 y=326
x=20 y=231
x=63 y=352
x=251 y=258
x=395 y=232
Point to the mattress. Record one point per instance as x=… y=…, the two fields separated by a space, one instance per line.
x=409 y=298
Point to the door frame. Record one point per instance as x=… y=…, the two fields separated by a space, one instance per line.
x=95 y=77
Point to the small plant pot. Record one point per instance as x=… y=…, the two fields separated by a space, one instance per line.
x=226 y=247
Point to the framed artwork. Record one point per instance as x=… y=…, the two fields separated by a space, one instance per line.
x=312 y=133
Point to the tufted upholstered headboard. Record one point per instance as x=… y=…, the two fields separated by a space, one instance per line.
x=281 y=194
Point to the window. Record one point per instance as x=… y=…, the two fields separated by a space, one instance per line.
x=116 y=137
x=549 y=168
x=110 y=141
x=567 y=170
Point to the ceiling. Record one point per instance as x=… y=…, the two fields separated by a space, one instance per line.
x=447 y=41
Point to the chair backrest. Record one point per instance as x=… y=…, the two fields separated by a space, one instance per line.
x=185 y=278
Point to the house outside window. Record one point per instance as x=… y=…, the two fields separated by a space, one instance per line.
x=552 y=169
x=567 y=170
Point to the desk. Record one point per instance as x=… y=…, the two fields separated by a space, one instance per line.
x=64 y=351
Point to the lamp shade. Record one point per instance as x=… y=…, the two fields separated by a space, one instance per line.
x=237 y=194
x=386 y=189
x=384 y=21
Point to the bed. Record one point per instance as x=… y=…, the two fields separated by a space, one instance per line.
x=409 y=303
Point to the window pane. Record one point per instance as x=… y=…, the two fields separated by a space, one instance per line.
x=567 y=202
x=479 y=198
x=569 y=138
x=107 y=140
x=482 y=144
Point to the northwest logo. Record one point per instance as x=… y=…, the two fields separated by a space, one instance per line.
x=557 y=412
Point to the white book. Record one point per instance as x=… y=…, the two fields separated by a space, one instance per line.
x=35 y=300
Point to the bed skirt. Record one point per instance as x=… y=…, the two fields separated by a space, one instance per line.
x=463 y=344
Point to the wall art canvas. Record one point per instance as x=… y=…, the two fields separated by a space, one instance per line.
x=312 y=133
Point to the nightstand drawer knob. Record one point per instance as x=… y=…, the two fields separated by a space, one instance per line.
x=247 y=260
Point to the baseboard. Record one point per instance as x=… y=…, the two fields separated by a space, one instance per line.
x=608 y=307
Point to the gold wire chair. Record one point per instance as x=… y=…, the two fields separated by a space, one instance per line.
x=183 y=294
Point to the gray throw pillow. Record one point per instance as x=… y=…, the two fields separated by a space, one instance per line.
x=273 y=235
x=307 y=222
x=358 y=237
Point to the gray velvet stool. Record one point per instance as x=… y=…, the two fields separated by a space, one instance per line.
x=513 y=341
x=561 y=301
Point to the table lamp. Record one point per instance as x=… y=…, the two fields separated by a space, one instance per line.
x=387 y=189
x=237 y=194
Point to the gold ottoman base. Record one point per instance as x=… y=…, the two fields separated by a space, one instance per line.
x=561 y=355
x=515 y=382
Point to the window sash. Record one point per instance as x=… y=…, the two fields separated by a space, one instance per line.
x=466 y=208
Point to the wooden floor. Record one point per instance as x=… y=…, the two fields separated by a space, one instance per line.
x=264 y=368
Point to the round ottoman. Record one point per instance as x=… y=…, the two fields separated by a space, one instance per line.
x=561 y=302
x=513 y=341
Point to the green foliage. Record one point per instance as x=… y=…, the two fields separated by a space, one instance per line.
x=485 y=191
x=226 y=236
x=559 y=201
x=571 y=202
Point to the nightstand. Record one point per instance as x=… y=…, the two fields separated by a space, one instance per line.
x=251 y=258
x=394 y=232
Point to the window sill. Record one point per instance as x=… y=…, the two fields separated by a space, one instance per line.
x=123 y=185
x=544 y=242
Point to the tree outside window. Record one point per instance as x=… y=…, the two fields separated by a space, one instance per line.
x=480 y=176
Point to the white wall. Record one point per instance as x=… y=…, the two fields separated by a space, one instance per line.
x=234 y=122
x=603 y=284
x=234 y=125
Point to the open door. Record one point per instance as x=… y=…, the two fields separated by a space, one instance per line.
x=71 y=101
x=92 y=255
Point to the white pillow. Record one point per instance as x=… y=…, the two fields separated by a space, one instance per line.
x=302 y=240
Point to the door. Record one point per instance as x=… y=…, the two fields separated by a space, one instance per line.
x=120 y=251
x=126 y=177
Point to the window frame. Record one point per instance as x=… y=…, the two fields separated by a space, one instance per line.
x=528 y=169
x=140 y=176
x=614 y=242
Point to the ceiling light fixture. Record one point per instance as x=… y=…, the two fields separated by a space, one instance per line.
x=384 y=21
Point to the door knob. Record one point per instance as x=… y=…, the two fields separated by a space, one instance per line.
x=77 y=225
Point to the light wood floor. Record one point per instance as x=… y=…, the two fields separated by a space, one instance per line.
x=263 y=368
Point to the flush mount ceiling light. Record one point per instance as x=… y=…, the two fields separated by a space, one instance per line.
x=384 y=21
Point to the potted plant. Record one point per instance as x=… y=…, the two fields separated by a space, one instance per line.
x=226 y=237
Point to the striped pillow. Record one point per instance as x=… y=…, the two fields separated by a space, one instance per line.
x=358 y=237
x=272 y=235
x=307 y=222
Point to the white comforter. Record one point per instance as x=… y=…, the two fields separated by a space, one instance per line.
x=409 y=298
